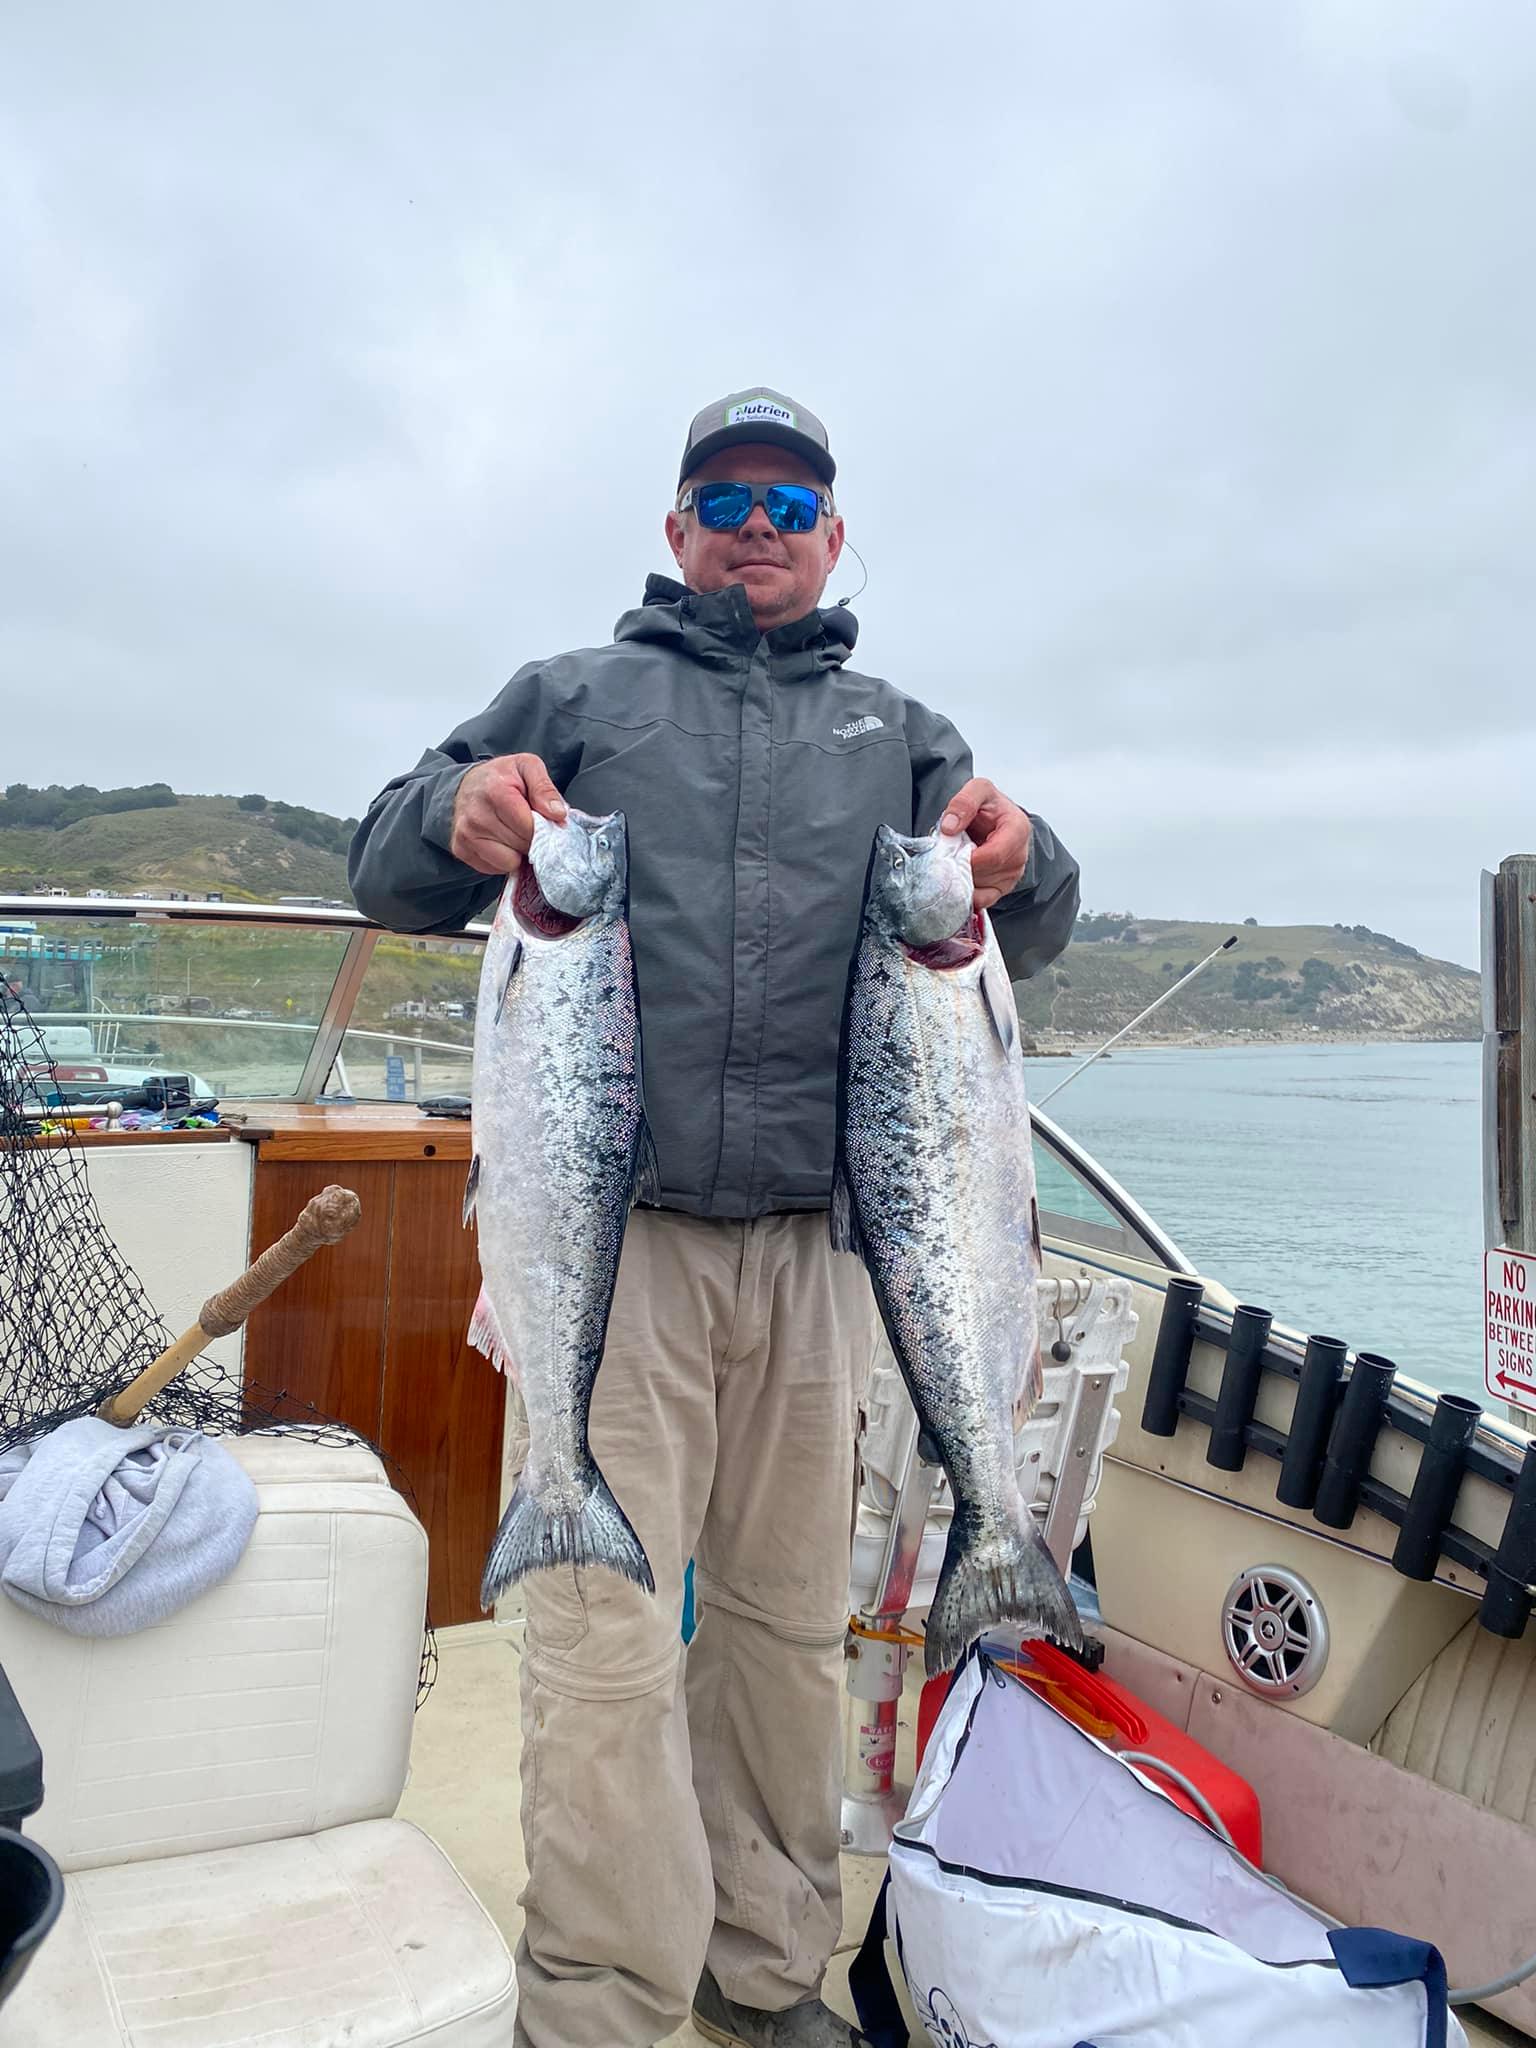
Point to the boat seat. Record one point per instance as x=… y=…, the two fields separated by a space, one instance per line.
x=219 y=1793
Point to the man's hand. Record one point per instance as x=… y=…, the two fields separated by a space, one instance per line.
x=1001 y=832
x=493 y=811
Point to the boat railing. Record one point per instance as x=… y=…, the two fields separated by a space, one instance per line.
x=118 y=1018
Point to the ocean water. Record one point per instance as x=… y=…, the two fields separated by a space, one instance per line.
x=1338 y=1186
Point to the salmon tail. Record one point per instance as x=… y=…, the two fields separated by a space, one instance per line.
x=531 y=1538
x=1016 y=1582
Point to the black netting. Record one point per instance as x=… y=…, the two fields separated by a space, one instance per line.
x=75 y=1323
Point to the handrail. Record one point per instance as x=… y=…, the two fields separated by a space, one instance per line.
x=405 y=1038
x=231 y=1023
x=43 y=1018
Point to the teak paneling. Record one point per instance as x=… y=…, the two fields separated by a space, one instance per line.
x=320 y=1338
x=372 y=1332
x=443 y=1402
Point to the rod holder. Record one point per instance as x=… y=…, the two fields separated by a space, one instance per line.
x=1317 y=1402
x=1433 y=1499
x=1239 y=1392
x=1507 y=1603
x=1170 y=1360
x=1353 y=1439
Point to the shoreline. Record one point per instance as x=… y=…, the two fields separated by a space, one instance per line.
x=1226 y=1041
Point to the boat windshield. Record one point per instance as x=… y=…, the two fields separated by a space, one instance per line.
x=410 y=1035
x=236 y=1007
x=248 y=1002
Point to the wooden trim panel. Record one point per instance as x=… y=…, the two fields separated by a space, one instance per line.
x=450 y=1142
x=374 y=1130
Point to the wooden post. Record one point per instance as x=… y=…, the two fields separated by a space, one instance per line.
x=1509 y=1061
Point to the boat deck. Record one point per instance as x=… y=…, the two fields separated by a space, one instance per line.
x=463 y=1791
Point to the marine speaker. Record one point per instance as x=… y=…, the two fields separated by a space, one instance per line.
x=1275 y=1632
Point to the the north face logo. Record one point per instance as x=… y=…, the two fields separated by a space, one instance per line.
x=852 y=730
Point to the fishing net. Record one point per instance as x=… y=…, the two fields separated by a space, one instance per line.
x=75 y=1322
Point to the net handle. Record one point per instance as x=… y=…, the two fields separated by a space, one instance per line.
x=325 y=1219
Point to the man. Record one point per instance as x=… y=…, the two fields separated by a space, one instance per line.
x=680 y=1814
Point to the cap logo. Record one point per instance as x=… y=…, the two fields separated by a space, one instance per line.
x=753 y=410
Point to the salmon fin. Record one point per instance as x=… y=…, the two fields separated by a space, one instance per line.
x=532 y=1539
x=471 y=1189
x=1031 y=1387
x=485 y=1335
x=997 y=993
x=842 y=1225
x=514 y=961
x=1019 y=1584
x=647 y=1185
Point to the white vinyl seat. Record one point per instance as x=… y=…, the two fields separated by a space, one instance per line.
x=219 y=1793
x=363 y=1935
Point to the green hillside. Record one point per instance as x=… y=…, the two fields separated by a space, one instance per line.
x=1279 y=981
x=199 y=843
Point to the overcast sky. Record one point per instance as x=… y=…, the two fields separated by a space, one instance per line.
x=1178 y=359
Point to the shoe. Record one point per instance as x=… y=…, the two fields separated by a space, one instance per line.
x=807 y=2025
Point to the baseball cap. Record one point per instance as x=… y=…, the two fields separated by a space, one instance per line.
x=757 y=416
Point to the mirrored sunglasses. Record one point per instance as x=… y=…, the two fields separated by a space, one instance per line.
x=722 y=507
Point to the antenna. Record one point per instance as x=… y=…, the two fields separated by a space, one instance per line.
x=1083 y=1065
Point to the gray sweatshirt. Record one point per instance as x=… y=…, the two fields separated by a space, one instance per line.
x=753 y=769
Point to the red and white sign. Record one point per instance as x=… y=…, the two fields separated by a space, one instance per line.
x=1509 y=1309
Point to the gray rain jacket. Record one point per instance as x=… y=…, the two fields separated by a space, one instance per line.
x=753 y=769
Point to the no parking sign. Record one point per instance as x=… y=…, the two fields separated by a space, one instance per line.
x=1509 y=1310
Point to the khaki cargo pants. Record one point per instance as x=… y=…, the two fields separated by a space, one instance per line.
x=682 y=1806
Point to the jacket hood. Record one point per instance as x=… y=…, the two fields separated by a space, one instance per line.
x=717 y=626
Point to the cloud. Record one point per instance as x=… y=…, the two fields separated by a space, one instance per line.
x=1177 y=361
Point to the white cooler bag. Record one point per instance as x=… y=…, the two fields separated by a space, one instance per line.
x=1043 y=1894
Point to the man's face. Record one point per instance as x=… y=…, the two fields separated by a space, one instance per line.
x=784 y=574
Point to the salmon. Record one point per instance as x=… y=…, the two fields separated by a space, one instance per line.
x=934 y=1187
x=561 y=1151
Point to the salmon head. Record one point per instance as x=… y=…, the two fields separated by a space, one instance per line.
x=920 y=894
x=575 y=872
